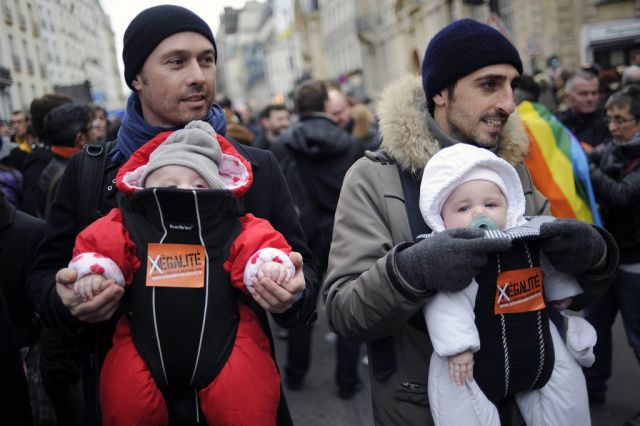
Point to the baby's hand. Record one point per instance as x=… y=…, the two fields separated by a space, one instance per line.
x=562 y=304
x=461 y=368
x=275 y=271
x=88 y=286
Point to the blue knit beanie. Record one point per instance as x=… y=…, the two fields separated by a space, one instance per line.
x=150 y=27
x=459 y=49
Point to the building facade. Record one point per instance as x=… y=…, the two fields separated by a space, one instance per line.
x=64 y=46
x=365 y=44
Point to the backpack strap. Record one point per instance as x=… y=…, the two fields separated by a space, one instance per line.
x=93 y=162
x=51 y=191
x=383 y=359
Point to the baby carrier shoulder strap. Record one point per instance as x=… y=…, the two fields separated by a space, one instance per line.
x=383 y=359
x=93 y=163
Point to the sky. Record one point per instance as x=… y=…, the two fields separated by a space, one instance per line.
x=121 y=12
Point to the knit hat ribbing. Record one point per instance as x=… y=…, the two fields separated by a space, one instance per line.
x=461 y=48
x=150 y=27
x=195 y=147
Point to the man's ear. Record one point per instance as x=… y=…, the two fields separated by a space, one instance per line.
x=137 y=82
x=441 y=98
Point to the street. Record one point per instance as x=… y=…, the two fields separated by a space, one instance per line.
x=317 y=402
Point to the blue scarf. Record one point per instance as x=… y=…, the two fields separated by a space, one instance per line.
x=135 y=132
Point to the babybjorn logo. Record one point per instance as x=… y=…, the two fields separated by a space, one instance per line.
x=179 y=227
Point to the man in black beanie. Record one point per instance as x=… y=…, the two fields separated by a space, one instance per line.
x=377 y=281
x=170 y=57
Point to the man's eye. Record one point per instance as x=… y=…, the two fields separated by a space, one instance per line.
x=208 y=60
x=176 y=62
x=200 y=186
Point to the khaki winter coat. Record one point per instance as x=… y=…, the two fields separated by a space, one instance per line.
x=366 y=299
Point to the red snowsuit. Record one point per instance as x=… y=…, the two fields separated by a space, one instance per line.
x=246 y=391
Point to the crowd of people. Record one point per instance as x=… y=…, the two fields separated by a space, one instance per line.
x=142 y=259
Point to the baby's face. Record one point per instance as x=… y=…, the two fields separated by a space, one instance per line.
x=472 y=199
x=175 y=177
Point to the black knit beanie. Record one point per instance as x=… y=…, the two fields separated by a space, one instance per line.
x=459 y=49
x=150 y=27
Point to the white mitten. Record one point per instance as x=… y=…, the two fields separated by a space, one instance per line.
x=581 y=338
x=262 y=256
x=95 y=263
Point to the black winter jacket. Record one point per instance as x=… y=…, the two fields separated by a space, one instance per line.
x=315 y=154
x=20 y=235
x=615 y=174
x=591 y=129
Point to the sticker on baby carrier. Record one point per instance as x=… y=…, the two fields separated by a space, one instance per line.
x=519 y=291
x=175 y=265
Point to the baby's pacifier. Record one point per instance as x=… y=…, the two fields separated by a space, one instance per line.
x=483 y=222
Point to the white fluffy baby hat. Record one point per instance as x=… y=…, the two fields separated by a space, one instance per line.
x=452 y=166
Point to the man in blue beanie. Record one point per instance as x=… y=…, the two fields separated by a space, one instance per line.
x=381 y=272
x=170 y=57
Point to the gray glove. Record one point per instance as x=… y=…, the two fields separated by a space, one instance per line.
x=447 y=261
x=572 y=247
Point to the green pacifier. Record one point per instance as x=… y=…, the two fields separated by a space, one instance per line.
x=484 y=223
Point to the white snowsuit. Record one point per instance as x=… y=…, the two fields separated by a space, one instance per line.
x=450 y=317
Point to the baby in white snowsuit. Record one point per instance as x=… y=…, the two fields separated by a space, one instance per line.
x=465 y=186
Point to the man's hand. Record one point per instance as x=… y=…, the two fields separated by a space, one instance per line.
x=572 y=247
x=279 y=298
x=448 y=260
x=100 y=308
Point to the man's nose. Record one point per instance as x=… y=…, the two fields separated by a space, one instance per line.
x=196 y=73
x=507 y=102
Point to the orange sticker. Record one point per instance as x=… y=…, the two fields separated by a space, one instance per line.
x=175 y=265
x=519 y=291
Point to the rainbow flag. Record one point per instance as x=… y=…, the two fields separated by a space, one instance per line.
x=558 y=165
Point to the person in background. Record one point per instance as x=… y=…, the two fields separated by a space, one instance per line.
x=247 y=118
x=40 y=155
x=315 y=154
x=274 y=119
x=67 y=128
x=353 y=117
x=585 y=118
x=615 y=174
x=22 y=134
x=99 y=125
x=20 y=234
x=631 y=75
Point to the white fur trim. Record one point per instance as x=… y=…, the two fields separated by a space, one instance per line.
x=95 y=263
x=448 y=167
x=262 y=256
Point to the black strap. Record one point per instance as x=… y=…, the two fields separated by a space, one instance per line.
x=411 y=189
x=93 y=162
x=383 y=359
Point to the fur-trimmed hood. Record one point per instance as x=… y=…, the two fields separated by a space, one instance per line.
x=410 y=136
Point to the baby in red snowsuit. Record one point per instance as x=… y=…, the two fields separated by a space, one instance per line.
x=188 y=258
